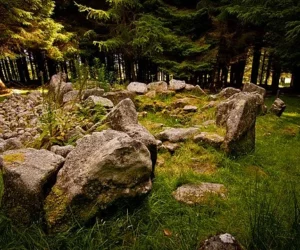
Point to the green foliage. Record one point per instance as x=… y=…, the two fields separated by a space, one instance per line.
x=27 y=25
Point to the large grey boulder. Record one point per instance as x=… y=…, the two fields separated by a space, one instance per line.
x=278 y=107
x=177 y=85
x=177 y=134
x=221 y=242
x=251 y=87
x=124 y=117
x=137 y=87
x=103 y=168
x=27 y=175
x=238 y=115
x=158 y=86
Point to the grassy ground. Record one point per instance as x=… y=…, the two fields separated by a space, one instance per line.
x=262 y=208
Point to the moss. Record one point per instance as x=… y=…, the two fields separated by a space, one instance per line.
x=15 y=157
x=56 y=206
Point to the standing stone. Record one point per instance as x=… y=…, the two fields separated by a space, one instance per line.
x=124 y=117
x=250 y=87
x=137 y=87
x=278 y=107
x=27 y=175
x=238 y=115
x=102 y=168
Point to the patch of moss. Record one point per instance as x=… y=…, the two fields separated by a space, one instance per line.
x=56 y=208
x=15 y=157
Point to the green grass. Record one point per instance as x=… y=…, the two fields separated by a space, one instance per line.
x=261 y=209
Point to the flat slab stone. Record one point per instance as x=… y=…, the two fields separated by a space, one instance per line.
x=177 y=134
x=209 y=138
x=197 y=193
x=190 y=108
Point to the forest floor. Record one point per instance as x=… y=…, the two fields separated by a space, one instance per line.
x=262 y=205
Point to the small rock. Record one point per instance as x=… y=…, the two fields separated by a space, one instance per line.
x=211 y=104
x=278 y=107
x=177 y=85
x=190 y=108
x=171 y=147
x=221 y=242
x=211 y=139
x=92 y=101
x=197 y=193
x=62 y=150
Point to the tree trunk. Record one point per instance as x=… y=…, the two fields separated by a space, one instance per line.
x=224 y=76
x=25 y=69
x=32 y=66
x=21 y=70
x=275 y=77
x=295 y=84
x=8 y=69
x=262 y=68
x=255 y=64
x=268 y=70
x=40 y=61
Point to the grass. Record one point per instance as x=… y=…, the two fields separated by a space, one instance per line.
x=261 y=209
